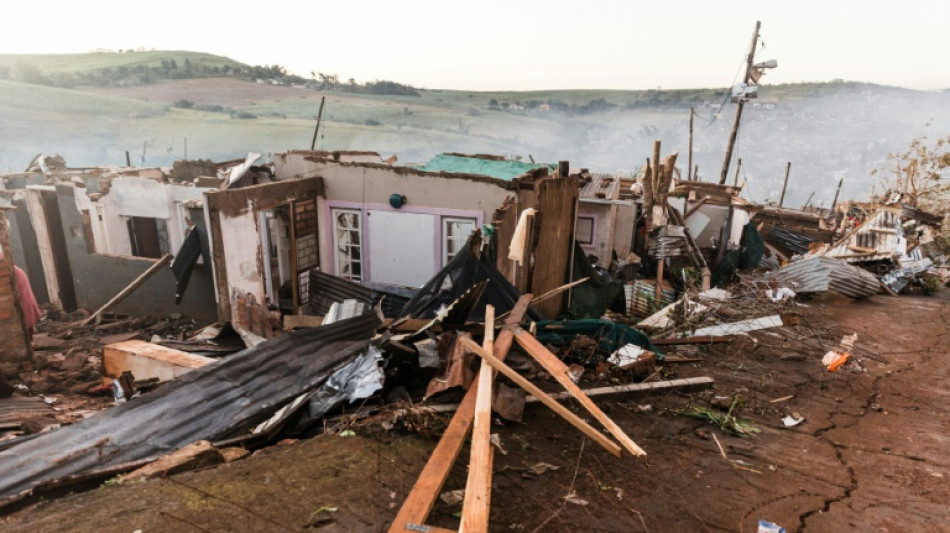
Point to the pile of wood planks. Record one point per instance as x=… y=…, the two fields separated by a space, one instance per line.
x=474 y=413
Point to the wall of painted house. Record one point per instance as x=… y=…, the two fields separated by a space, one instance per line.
x=98 y=277
x=624 y=222
x=398 y=246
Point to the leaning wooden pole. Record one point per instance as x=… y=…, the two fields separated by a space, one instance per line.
x=316 y=130
x=788 y=169
x=834 y=203
x=138 y=282
x=735 y=125
x=689 y=167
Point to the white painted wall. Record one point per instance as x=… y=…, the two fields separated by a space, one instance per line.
x=240 y=241
x=401 y=247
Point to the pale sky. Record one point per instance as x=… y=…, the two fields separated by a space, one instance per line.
x=517 y=45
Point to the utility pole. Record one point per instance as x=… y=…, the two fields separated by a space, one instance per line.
x=735 y=180
x=689 y=166
x=788 y=168
x=186 y=148
x=735 y=126
x=834 y=203
x=313 y=143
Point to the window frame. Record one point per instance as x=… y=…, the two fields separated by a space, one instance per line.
x=337 y=252
x=446 y=220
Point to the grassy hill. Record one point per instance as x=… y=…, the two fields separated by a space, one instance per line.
x=74 y=63
x=825 y=129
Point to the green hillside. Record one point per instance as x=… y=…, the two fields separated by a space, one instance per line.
x=75 y=63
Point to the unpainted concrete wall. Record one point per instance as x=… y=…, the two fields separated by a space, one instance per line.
x=97 y=277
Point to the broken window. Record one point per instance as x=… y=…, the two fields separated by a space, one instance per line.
x=455 y=232
x=347 y=243
x=585 y=231
x=148 y=237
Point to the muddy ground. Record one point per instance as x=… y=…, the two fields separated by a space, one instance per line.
x=870 y=455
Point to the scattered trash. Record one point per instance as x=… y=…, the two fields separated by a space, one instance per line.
x=792 y=420
x=725 y=421
x=780 y=295
x=572 y=497
x=347 y=433
x=834 y=359
x=453 y=498
x=628 y=355
x=495 y=441
x=769 y=527
x=539 y=469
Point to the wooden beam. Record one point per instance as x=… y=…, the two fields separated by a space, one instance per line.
x=544 y=398
x=705 y=339
x=415 y=510
x=559 y=371
x=136 y=283
x=704 y=382
x=475 y=509
x=695 y=206
x=545 y=296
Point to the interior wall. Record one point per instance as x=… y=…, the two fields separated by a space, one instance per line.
x=97 y=277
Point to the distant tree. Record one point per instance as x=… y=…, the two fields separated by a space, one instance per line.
x=184 y=104
x=919 y=174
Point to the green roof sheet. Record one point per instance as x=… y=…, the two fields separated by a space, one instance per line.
x=505 y=170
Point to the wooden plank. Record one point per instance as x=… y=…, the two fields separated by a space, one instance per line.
x=551 y=293
x=704 y=339
x=138 y=282
x=475 y=509
x=556 y=200
x=559 y=371
x=419 y=502
x=703 y=382
x=544 y=398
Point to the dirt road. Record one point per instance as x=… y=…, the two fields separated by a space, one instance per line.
x=870 y=456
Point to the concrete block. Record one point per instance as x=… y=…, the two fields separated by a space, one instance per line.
x=146 y=360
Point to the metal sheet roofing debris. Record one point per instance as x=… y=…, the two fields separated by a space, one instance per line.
x=818 y=274
x=214 y=402
x=495 y=168
x=880 y=237
x=742 y=326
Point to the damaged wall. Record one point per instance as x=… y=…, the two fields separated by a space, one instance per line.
x=25 y=249
x=97 y=277
x=236 y=244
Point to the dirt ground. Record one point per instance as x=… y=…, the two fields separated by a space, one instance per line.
x=870 y=455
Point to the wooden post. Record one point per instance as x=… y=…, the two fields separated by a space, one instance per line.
x=128 y=160
x=138 y=282
x=563 y=169
x=313 y=143
x=689 y=166
x=477 y=504
x=735 y=125
x=735 y=180
x=808 y=201
x=659 y=280
x=834 y=203
x=788 y=168
x=696 y=173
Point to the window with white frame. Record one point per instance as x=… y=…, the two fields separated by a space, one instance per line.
x=455 y=232
x=347 y=244
x=585 y=231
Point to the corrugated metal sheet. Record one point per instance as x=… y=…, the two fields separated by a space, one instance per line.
x=641 y=298
x=881 y=233
x=600 y=187
x=16 y=409
x=214 y=402
x=819 y=274
x=790 y=240
x=326 y=289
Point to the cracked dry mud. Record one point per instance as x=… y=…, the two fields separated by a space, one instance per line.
x=870 y=456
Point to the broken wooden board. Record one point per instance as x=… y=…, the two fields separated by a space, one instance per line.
x=560 y=372
x=418 y=504
x=196 y=455
x=539 y=395
x=147 y=361
x=697 y=383
x=292 y=322
x=477 y=503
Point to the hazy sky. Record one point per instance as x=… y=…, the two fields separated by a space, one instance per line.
x=517 y=45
